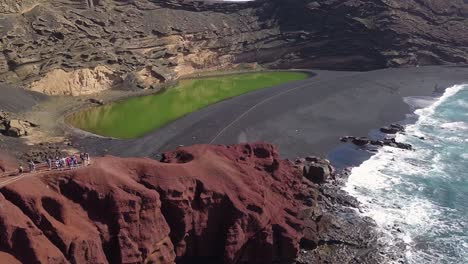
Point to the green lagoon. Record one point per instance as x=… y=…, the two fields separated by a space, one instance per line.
x=137 y=116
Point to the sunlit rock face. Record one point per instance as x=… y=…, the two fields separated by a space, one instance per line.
x=176 y=38
x=236 y=204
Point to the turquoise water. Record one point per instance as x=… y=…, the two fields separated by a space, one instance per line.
x=420 y=198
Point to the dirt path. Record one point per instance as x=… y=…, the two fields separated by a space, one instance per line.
x=10 y=177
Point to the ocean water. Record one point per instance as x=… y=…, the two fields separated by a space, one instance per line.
x=420 y=198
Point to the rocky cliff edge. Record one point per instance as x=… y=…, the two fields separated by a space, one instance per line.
x=225 y=204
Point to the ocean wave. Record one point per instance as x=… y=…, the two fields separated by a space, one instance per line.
x=455 y=126
x=462 y=104
x=419 y=101
x=399 y=189
x=428 y=111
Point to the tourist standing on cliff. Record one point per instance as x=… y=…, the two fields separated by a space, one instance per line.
x=63 y=162
x=87 y=158
x=32 y=166
x=49 y=163
x=74 y=161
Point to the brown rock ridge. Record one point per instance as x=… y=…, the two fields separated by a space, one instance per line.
x=227 y=204
x=148 y=41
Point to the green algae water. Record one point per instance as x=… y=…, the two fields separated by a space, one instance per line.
x=137 y=116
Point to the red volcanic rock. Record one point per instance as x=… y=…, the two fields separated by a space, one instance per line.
x=228 y=203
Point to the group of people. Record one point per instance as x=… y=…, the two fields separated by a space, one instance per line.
x=60 y=163
x=70 y=162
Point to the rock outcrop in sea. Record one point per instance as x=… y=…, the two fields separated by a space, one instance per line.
x=86 y=46
x=224 y=204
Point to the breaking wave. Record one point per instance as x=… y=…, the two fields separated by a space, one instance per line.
x=420 y=198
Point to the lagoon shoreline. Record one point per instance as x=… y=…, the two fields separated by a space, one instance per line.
x=303 y=118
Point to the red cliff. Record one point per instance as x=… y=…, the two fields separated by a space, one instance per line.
x=221 y=203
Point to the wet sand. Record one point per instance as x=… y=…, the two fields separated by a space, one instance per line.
x=302 y=118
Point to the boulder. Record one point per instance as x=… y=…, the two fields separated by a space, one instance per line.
x=4 y=115
x=377 y=143
x=3 y=127
x=317 y=170
x=14 y=132
x=388 y=130
x=361 y=141
x=347 y=138
x=96 y=101
x=404 y=146
x=391 y=142
x=17 y=128
x=392 y=129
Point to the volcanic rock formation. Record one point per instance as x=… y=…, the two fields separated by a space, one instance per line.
x=55 y=46
x=231 y=204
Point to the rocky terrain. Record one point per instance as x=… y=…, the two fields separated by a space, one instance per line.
x=212 y=204
x=77 y=47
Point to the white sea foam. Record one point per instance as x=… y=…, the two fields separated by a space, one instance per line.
x=388 y=186
x=462 y=104
x=419 y=101
x=455 y=126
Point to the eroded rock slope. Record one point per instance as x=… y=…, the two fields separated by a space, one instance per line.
x=84 y=46
x=224 y=204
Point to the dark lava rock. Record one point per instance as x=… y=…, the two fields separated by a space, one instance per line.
x=404 y=146
x=130 y=37
x=392 y=129
x=377 y=143
x=14 y=127
x=96 y=101
x=335 y=233
x=361 y=141
x=347 y=138
x=317 y=170
x=389 y=130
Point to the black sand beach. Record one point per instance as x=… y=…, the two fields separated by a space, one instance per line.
x=302 y=118
x=15 y=99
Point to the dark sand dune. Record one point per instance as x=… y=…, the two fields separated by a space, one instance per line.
x=305 y=117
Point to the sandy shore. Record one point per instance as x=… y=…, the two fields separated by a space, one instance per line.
x=14 y=99
x=302 y=118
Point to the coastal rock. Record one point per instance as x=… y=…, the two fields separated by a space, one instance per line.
x=391 y=142
x=392 y=129
x=228 y=204
x=361 y=141
x=389 y=130
x=317 y=170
